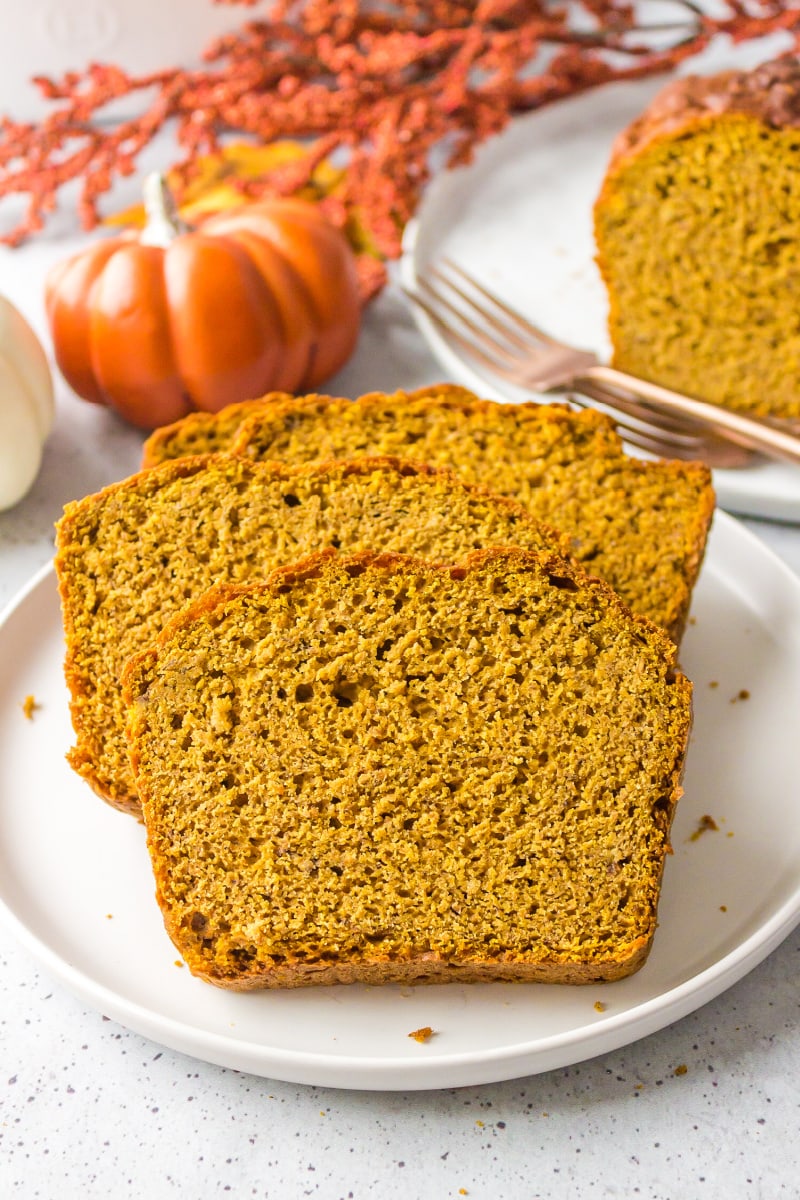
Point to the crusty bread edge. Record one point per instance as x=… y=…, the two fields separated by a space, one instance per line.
x=447 y=396
x=201 y=419
x=451 y=395
x=433 y=969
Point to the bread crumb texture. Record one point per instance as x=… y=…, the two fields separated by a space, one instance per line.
x=375 y=769
x=641 y=526
x=202 y=432
x=697 y=228
x=132 y=556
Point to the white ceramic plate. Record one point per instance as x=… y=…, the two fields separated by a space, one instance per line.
x=520 y=218
x=75 y=884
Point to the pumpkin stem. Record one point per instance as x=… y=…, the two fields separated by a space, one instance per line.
x=163 y=223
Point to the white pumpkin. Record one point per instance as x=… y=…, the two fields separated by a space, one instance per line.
x=26 y=404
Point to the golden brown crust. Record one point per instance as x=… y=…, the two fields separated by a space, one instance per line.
x=177 y=439
x=220 y=431
x=152 y=479
x=461 y=399
x=769 y=94
x=181 y=438
x=445 y=397
x=214 y=600
x=433 y=969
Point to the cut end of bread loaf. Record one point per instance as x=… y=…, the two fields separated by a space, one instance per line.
x=375 y=769
x=698 y=237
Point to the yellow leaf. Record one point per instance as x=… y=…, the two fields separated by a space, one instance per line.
x=211 y=190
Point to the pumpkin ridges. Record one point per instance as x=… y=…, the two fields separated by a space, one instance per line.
x=321 y=258
x=25 y=356
x=332 y=280
x=265 y=298
x=131 y=351
x=27 y=406
x=67 y=293
x=19 y=436
x=296 y=310
x=213 y=285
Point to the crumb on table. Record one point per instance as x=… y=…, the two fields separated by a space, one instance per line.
x=681 y=1069
x=742 y=694
x=29 y=706
x=599 y=1006
x=422 y=1035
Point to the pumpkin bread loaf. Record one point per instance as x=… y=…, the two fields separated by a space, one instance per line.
x=375 y=769
x=641 y=526
x=131 y=556
x=697 y=228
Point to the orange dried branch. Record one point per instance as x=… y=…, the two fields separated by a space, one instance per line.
x=380 y=89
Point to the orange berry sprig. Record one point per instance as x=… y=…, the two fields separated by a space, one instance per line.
x=390 y=97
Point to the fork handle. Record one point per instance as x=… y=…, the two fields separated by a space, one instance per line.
x=747 y=431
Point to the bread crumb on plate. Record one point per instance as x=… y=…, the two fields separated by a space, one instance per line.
x=703 y=825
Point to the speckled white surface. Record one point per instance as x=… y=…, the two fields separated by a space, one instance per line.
x=706 y=1108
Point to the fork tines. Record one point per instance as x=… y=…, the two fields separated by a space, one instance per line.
x=497 y=339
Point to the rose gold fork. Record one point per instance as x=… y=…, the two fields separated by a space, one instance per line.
x=654 y=418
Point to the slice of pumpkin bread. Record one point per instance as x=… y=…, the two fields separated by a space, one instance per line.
x=697 y=228
x=131 y=556
x=374 y=769
x=641 y=526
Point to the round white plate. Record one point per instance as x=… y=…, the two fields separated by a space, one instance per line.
x=75 y=883
x=520 y=219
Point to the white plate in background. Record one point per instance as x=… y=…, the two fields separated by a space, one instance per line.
x=519 y=217
x=76 y=887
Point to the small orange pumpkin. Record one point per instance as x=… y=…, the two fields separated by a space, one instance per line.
x=264 y=298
